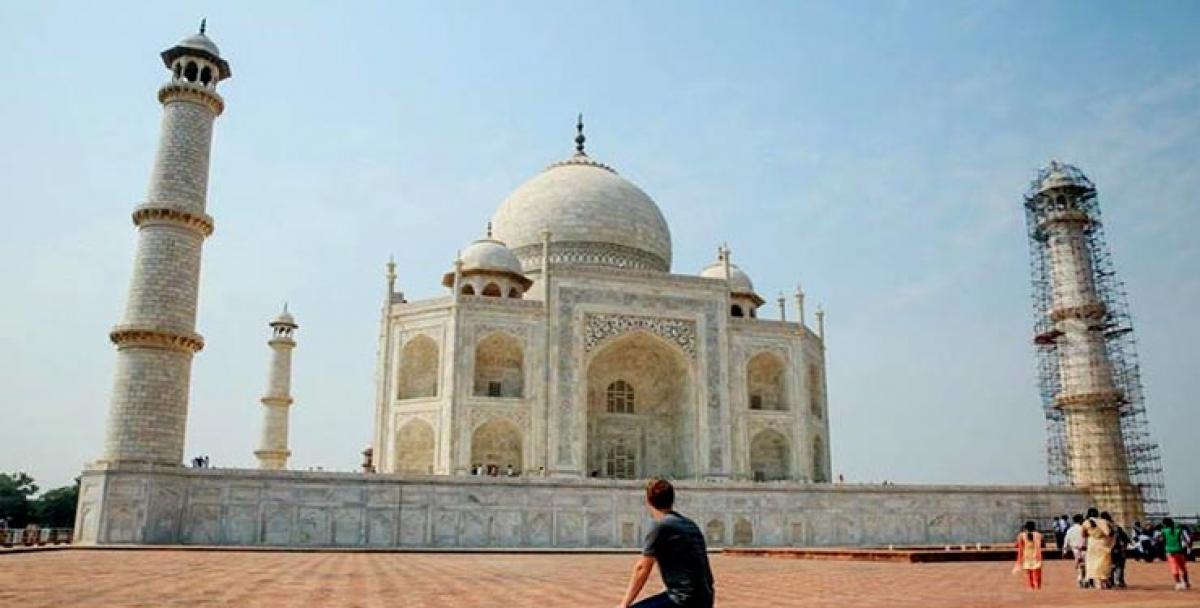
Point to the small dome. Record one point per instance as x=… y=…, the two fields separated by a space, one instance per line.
x=1062 y=175
x=595 y=217
x=739 y=281
x=490 y=255
x=200 y=42
x=199 y=45
x=284 y=318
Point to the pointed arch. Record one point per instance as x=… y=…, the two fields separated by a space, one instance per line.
x=414 y=448
x=714 y=532
x=468 y=289
x=765 y=382
x=643 y=425
x=770 y=456
x=743 y=532
x=491 y=290
x=499 y=366
x=418 y=368
x=496 y=444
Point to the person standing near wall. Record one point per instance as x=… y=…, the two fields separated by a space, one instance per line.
x=1029 y=555
x=1076 y=544
x=1120 y=546
x=1174 y=543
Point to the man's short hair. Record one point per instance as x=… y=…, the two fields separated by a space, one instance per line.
x=660 y=494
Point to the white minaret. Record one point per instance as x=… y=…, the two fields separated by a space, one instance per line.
x=157 y=337
x=1088 y=395
x=273 y=451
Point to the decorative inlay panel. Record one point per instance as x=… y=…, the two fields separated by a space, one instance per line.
x=600 y=327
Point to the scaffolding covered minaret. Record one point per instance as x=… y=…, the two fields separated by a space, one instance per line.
x=1098 y=437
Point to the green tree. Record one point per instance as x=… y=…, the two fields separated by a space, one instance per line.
x=56 y=508
x=15 y=490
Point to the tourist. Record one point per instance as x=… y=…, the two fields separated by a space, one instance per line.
x=676 y=544
x=1061 y=523
x=1147 y=541
x=1099 y=549
x=1175 y=542
x=1029 y=555
x=1076 y=544
x=1120 y=544
x=509 y=472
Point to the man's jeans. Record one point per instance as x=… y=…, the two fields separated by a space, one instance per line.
x=656 y=601
x=662 y=601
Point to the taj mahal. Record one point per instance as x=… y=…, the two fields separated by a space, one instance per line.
x=566 y=347
x=566 y=360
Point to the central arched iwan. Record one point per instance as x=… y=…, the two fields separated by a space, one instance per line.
x=640 y=419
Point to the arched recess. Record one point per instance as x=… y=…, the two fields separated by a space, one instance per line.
x=743 y=532
x=736 y=311
x=514 y=293
x=650 y=429
x=815 y=402
x=714 y=533
x=770 y=456
x=468 y=289
x=496 y=445
x=414 y=448
x=765 y=375
x=491 y=290
x=818 y=460
x=419 y=368
x=499 y=366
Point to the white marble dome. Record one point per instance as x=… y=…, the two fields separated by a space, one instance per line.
x=595 y=217
x=490 y=255
x=739 y=281
x=200 y=42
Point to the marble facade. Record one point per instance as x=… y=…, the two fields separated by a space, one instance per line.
x=171 y=505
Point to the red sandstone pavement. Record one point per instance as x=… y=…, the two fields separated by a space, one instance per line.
x=376 y=580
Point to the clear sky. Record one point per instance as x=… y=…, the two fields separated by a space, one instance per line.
x=875 y=152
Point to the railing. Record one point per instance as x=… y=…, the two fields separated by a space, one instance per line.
x=34 y=536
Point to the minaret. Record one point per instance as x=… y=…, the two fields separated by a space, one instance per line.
x=800 y=306
x=156 y=338
x=273 y=449
x=1081 y=337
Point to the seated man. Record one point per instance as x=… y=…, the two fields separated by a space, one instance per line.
x=677 y=545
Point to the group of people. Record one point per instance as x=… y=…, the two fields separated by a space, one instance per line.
x=1100 y=548
x=200 y=462
x=492 y=470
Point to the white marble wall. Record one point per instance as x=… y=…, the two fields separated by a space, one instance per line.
x=171 y=505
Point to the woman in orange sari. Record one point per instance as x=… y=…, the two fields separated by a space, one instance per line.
x=1029 y=555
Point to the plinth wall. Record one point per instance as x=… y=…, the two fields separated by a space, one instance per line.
x=149 y=504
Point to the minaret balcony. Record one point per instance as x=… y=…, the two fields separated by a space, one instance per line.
x=194 y=92
x=1092 y=400
x=1089 y=311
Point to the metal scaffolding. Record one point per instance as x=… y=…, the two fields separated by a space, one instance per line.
x=1111 y=320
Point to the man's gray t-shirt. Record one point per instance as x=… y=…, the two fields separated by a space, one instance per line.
x=678 y=546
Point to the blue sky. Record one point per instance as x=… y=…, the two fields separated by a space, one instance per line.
x=875 y=152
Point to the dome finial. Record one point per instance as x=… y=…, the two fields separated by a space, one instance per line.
x=203 y=24
x=579 y=138
x=489 y=229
